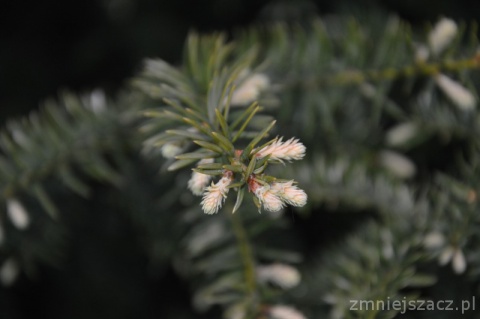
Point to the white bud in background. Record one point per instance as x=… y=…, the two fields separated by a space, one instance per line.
x=209 y=235
x=198 y=182
x=442 y=35
x=98 y=101
x=387 y=249
x=446 y=255
x=456 y=92
x=397 y=164
x=17 y=214
x=9 y=272
x=282 y=275
x=249 y=90
x=459 y=264
x=434 y=240
x=285 y=312
x=170 y=150
x=421 y=53
x=19 y=137
x=401 y=133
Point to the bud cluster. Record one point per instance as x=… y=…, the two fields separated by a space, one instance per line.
x=276 y=195
x=271 y=193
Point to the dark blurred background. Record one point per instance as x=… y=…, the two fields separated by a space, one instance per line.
x=53 y=44
x=49 y=45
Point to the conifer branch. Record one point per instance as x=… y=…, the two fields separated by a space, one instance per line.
x=410 y=71
x=51 y=142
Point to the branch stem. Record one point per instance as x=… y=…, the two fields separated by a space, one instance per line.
x=355 y=76
x=246 y=254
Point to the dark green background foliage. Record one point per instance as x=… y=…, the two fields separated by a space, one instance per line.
x=115 y=247
x=88 y=44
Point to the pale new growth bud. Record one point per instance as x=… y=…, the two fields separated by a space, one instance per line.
x=421 y=53
x=442 y=35
x=98 y=101
x=269 y=199
x=401 y=134
x=446 y=255
x=250 y=89
x=285 y=312
x=434 y=240
x=450 y=253
x=17 y=214
x=457 y=93
x=459 y=264
x=288 y=150
x=215 y=194
x=397 y=164
x=170 y=150
x=19 y=137
x=8 y=272
x=290 y=193
x=282 y=275
x=199 y=181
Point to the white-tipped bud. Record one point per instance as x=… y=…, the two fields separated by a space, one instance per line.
x=285 y=312
x=401 y=134
x=98 y=101
x=421 y=53
x=397 y=164
x=269 y=199
x=9 y=272
x=170 y=150
x=215 y=194
x=459 y=264
x=17 y=214
x=19 y=137
x=442 y=35
x=282 y=275
x=250 y=89
x=456 y=92
x=198 y=182
x=290 y=193
x=288 y=150
x=434 y=240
